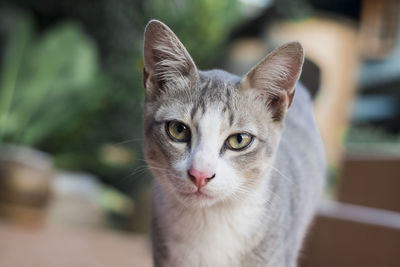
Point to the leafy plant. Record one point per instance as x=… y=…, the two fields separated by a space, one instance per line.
x=46 y=83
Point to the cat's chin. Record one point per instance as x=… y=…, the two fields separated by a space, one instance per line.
x=197 y=194
x=196 y=199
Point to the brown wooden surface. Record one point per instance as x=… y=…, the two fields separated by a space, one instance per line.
x=60 y=247
x=371 y=181
x=351 y=236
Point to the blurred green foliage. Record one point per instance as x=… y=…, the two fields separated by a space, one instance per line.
x=70 y=82
x=48 y=83
x=202 y=25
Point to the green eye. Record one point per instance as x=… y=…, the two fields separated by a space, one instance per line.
x=239 y=141
x=178 y=131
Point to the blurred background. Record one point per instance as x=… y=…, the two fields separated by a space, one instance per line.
x=74 y=188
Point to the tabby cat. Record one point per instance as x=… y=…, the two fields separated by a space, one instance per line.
x=238 y=173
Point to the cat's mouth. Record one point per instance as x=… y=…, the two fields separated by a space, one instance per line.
x=197 y=194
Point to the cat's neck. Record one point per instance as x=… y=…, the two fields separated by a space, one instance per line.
x=232 y=226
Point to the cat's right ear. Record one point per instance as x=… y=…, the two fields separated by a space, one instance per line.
x=274 y=78
x=166 y=60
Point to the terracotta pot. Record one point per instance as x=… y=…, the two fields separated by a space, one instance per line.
x=25 y=176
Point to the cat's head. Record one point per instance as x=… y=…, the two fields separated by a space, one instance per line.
x=210 y=136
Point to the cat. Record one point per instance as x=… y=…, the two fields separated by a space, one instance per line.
x=238 y=173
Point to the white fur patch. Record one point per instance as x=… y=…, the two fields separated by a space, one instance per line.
x=215 y=236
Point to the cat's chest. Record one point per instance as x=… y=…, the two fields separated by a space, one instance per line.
x=215 y=238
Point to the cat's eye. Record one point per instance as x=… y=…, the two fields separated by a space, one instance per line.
x=178 y=131
x=239 y=141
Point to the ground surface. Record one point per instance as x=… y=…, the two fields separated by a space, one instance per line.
x=62 y=247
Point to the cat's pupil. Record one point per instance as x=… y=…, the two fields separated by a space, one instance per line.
x=239 y=138
x=180 y=128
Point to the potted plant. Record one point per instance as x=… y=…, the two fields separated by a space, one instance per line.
x=45 y=84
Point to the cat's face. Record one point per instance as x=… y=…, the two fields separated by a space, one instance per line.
x=210 y=136
x=212 y=126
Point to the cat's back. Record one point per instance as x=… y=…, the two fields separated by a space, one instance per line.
x=301 y=148
x=300 y=160
x=298 y=173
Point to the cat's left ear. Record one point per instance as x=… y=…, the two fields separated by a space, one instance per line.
x=166 y=60
x=275 y=77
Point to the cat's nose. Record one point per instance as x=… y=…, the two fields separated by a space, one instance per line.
x=200 y=178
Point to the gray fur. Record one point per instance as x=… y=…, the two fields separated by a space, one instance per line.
x=298 y=183
x=282 y=171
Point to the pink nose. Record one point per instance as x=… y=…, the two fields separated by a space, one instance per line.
x=200 y=178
